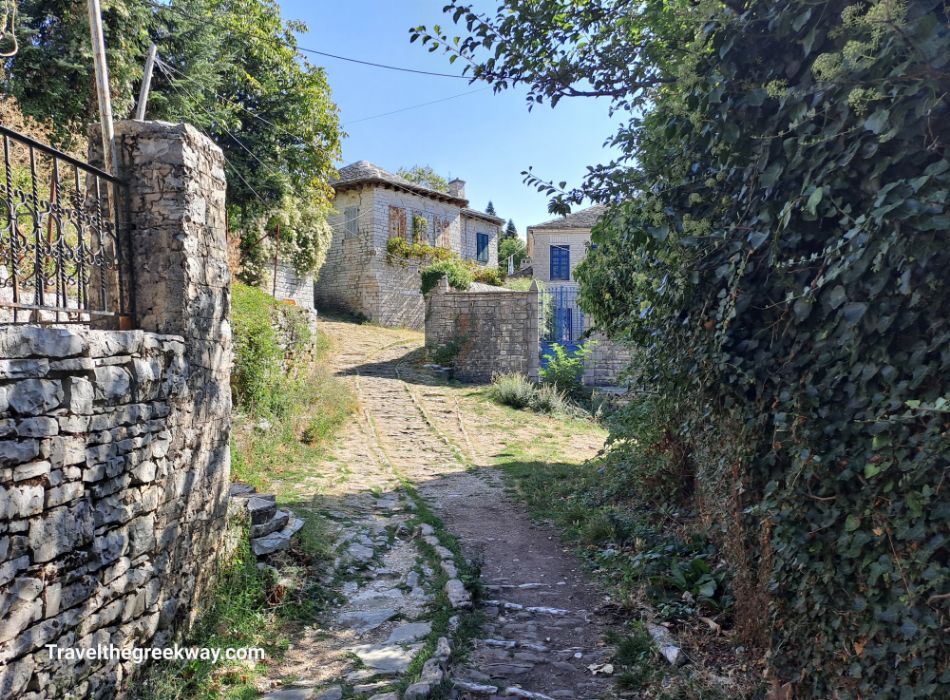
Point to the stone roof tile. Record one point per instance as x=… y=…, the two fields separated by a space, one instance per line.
x=585 y=219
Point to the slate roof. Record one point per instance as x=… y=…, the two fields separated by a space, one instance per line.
x=362 y=172
x=585 y=219
x=482 y=215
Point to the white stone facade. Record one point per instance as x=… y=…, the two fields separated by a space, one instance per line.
x=359 y=277
x=576 y=241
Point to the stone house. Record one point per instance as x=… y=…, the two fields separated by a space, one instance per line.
x=555 y=248
x=373 y=206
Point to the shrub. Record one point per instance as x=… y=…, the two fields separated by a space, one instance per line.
x=447 y=353
x=488 y=275
x=548 y=399
x=257 y=378
x=458 y=274
x=565 y=369
x=514 y=390
x=517 y=391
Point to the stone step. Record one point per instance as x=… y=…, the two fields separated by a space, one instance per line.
x=261 y=508
x=276 y=541
x=491 y=691
x=513 y=644
x=238 y=490
x=277 y=522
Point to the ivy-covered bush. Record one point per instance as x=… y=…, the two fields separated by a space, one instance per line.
x=268 y=337
x=785 y=270
x=457 y=272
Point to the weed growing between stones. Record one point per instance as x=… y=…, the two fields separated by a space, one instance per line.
x=461 y=626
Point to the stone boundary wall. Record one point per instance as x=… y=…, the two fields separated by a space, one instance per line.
x=114 y=459
x=290 y=285
x=496 y=332
x=287 y=320
x=606 y=362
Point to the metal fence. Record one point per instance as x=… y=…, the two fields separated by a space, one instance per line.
x=63 y=241
x=562 y=320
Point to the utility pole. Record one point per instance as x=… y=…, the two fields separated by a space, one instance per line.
x=109 y=152
x=146 y=82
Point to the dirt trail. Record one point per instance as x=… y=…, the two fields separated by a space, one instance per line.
x=542 y=630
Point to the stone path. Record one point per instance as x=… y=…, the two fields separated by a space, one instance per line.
x=542 y=634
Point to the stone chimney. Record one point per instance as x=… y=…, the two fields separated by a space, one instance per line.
x=457 y=188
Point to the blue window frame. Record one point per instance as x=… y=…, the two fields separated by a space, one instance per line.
x=560 y=262
x=481 y=247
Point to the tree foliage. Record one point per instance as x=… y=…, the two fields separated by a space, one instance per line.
x=511 y=246
x=233 y=72
x=511 y=231
x=778 y=251
x=426 y=176
x=490 y=209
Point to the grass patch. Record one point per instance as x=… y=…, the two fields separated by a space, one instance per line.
x=238 y=615
x=318 y=403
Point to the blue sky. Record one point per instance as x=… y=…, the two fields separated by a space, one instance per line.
x=483 y=138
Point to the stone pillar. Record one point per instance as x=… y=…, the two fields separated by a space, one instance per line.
x=533 y=331
x=181 y=283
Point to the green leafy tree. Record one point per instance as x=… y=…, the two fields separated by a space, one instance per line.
x=233 y=71
x=511 y=230
x=508 y=247
x=777 y=250
x=52 y=73
x=490 y=209
x=424 y=175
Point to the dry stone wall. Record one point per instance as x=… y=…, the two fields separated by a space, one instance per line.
x=493 y=332
x=606 y=362
x=114 y=460
x=291 y=286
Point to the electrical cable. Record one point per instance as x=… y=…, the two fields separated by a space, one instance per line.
x=305 y=49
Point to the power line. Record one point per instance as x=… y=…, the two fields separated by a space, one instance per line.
x=301 y=139
x=305 y=49
x=423 y=104
x=254 y=114
x=382 y=65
